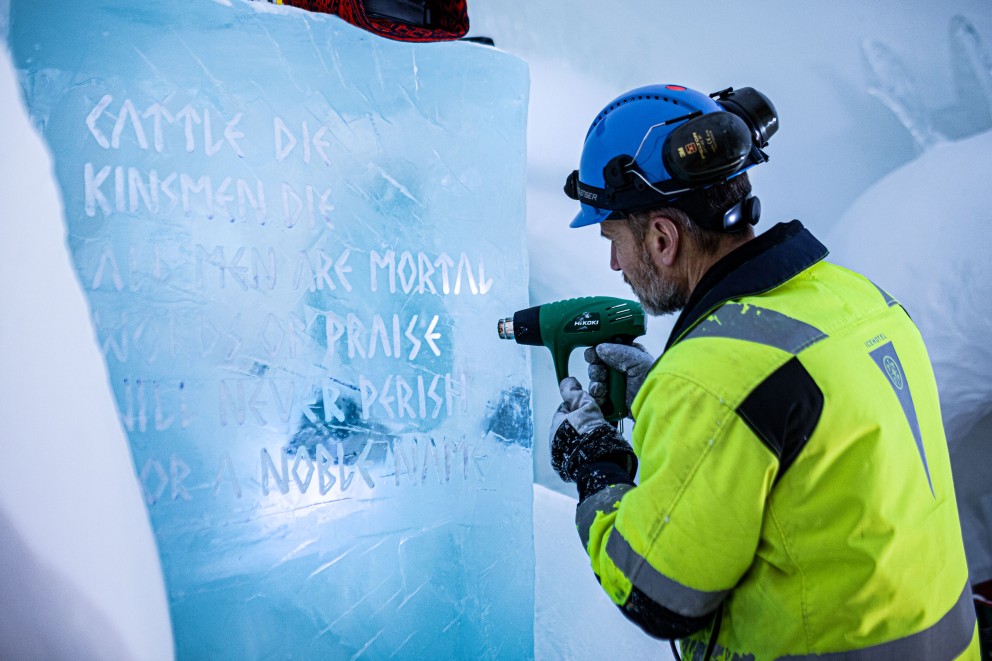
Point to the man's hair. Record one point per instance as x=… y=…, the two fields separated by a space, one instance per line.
x=717 y=199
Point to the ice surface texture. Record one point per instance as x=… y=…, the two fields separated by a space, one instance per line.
x=295 y=238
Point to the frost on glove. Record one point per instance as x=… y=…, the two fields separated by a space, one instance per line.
x=582 y=439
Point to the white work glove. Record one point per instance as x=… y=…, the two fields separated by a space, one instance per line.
x=580 y=436
x=631 y=359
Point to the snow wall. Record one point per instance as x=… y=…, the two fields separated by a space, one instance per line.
x=295 y=240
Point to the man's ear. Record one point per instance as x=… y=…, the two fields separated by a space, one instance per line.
x=664 y=240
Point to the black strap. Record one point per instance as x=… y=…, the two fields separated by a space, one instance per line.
x=710 y=646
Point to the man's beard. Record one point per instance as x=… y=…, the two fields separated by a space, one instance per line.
x=658 y=296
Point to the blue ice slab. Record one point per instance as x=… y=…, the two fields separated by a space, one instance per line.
x=296 y=239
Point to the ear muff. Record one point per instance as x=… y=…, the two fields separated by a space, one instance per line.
x=707 y=149
x=754 y=108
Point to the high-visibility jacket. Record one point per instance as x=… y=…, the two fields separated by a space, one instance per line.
x=794 y=474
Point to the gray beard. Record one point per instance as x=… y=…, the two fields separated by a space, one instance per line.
x=657 y=295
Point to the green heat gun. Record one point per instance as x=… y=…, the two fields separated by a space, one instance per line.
x=580 y=322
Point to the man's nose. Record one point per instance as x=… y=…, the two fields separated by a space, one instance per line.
x=614 y=262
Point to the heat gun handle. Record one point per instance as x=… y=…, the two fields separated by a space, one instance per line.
x=615 y=407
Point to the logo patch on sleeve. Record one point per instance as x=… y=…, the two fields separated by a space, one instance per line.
x=888 y=361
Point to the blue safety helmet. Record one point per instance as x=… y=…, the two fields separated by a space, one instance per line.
x=660 y=144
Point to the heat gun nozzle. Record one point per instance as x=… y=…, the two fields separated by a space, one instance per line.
x=505 y=328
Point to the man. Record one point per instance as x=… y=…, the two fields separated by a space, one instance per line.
x=795 y=495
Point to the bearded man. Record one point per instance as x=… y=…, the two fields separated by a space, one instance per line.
x=795 y=496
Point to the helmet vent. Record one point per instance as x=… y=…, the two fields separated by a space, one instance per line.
x=622 y=102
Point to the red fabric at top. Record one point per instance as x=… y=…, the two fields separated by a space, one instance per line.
x=450 y=18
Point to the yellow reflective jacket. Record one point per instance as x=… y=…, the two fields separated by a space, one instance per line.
x=794 y=475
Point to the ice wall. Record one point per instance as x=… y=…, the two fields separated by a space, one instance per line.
x=295 y=239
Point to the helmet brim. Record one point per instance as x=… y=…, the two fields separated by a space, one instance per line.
x=589 y=216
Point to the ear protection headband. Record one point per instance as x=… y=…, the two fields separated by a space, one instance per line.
x=703 y=150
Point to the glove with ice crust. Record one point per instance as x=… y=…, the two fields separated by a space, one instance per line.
x=581 y=437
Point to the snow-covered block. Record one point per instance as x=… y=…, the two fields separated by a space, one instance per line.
x=295 y=239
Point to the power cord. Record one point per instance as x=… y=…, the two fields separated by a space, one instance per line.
x=711 y=645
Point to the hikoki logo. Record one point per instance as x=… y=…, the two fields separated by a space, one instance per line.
x=585 y=321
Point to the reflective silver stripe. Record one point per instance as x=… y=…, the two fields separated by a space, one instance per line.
x=667 y=592
x=760 y=325
x=947 y=639
x=601 y=501
x=885 y=295
x=888 y=362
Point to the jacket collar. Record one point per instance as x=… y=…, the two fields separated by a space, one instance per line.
x=759 y=265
